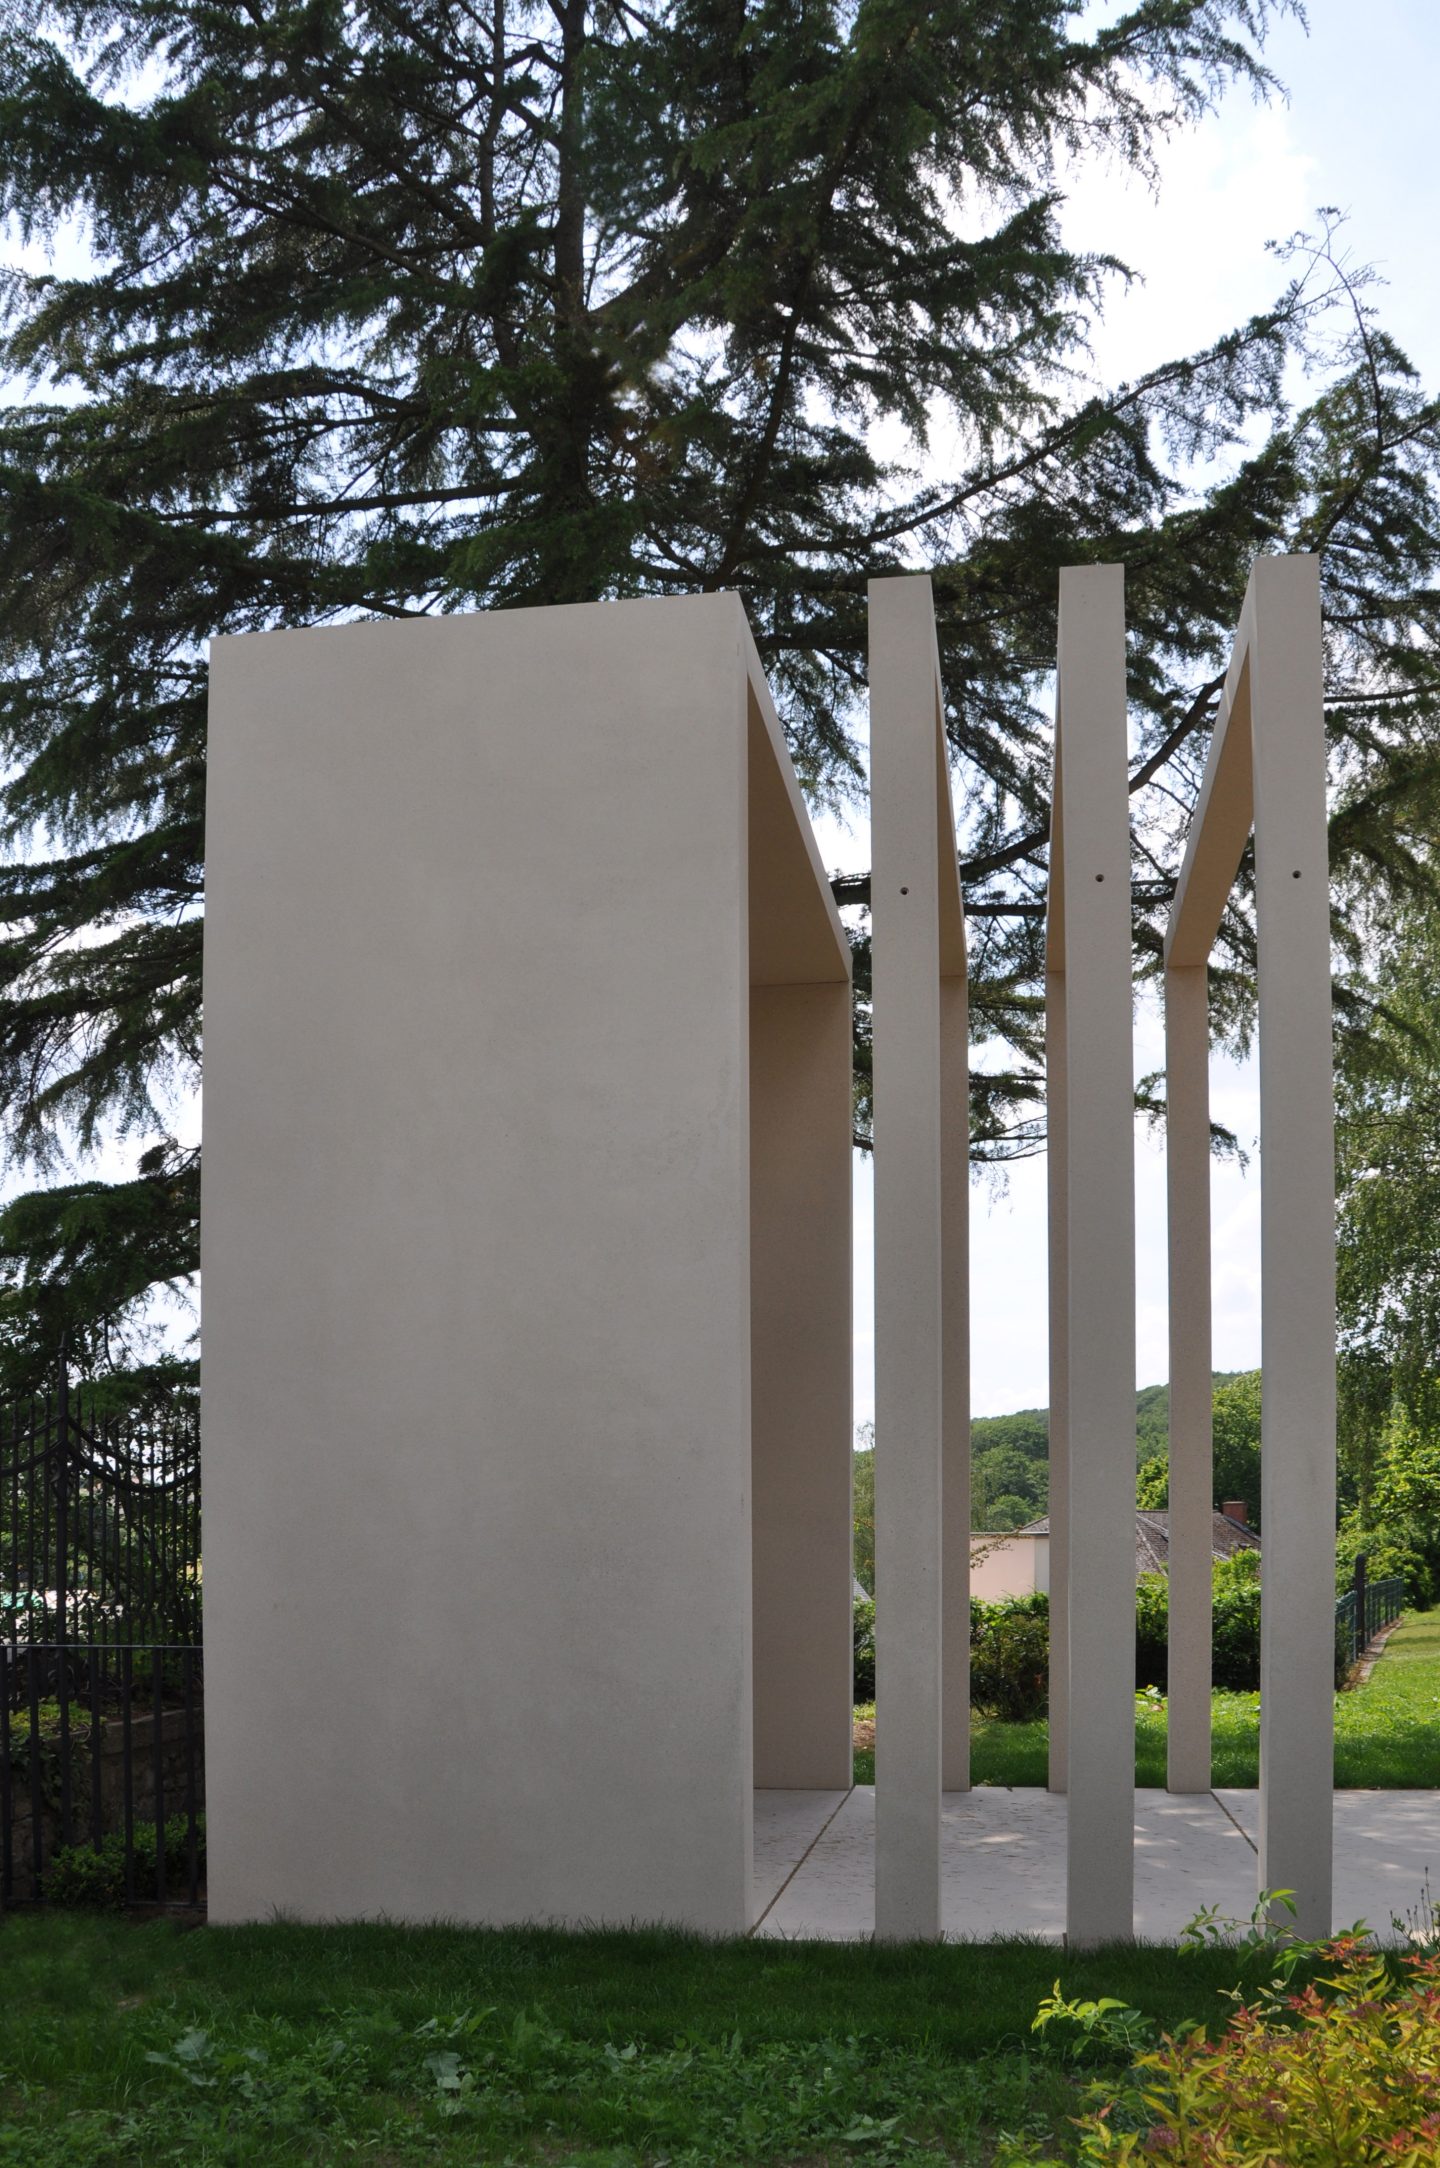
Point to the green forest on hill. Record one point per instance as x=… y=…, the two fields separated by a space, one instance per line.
x=1010 y=1474
x=1010 y=1471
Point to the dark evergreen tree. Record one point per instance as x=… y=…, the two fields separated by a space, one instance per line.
x=457 y=303
x=1388 y=1163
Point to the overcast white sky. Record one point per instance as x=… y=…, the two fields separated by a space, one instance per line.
x=1357 y=132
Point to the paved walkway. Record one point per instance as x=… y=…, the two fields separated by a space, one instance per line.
x=1003 y=1860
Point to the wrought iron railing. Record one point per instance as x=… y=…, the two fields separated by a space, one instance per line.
x=99 y=1520
x=1360 y=1614
x=102 y=1775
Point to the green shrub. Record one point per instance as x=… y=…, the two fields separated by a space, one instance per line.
x=1235 y=1586
x=1152 y=1627
x=1391 y=1553
x=1344 y=2074
x=864 y=1633
x=1010 y=1657
x=81 y=1878
x=1236 y=1630
x=1152 y=1483
x=1010 y=1642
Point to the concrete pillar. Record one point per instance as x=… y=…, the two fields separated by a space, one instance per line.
x=1297 y=1220
x=1187 y=1147
x=1090 y=950
x=955 y=1351
x=1057 y=1177
x=478 y=1278
x=920 y=1115
x=1267 y=769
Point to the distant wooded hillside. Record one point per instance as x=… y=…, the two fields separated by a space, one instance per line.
x=1010 y=1473
x=1009 y=1466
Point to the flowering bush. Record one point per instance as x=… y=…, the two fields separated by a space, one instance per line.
x=1344 y=2073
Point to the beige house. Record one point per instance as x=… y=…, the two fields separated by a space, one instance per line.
x=1016 y=1562
x=1009 y=1562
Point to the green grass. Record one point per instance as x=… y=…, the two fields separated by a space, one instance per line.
x=144 y=2044
x=1387 y=1732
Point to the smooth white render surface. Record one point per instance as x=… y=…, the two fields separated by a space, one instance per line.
x=1090 y=1098
x=490 y=900
x=1266 y=772
x=922 y=1344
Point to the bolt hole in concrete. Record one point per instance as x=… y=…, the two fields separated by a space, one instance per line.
x=904 y=891
x=1099 y=876
x=1296 y=874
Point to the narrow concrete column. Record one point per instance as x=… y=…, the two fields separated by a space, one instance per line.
x=1187 y=1168
x=1266 y=769
x=1092 y=809
x=1297 y=1221
x=800 y=1150
x=918 y=937
x=955 y=1372
x=1057 y=1178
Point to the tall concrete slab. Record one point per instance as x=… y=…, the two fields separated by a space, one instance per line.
x=493 y=902
x=922 y=1417
x=1266 y=773
x=1093 y=1206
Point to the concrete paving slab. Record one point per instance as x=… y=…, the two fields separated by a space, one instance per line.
x=831 y=1897
x=1003 y=1861
x=1188 y=1854
x=1244 y=1807
x=1387 y=1853
x=1386 y=1844
x=786 y=1825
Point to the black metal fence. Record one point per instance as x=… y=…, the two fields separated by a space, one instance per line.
x=102 y=1770
x=99 y=1520
x=1360 y=1614
x=102 y=1774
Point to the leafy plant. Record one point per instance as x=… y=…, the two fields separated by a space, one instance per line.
x=93 y=1880
x=1103 y=2030
x=1268 y=1935
x=1344 y=2073
x=1390 y=1553
x=862 y=1505
x=1010 y=1657
x=1235 y=1628
x=864 y=1651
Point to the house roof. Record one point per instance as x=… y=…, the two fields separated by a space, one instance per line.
x=1152 y=1537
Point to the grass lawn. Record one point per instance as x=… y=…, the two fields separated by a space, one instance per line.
x=1387 y=1732
x=150 y=2044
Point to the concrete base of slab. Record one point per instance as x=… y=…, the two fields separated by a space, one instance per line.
x=1003 y=1861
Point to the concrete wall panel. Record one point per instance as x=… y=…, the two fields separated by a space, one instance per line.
x=800 y=1140
x=1090 y=958
x=477 y=1272
x=922 y=1421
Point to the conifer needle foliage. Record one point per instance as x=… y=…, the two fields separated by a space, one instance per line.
x=347 y=308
